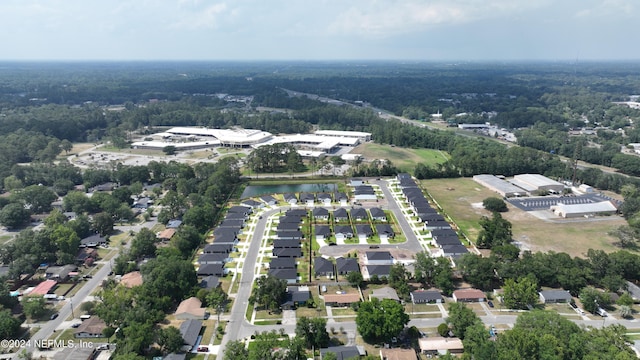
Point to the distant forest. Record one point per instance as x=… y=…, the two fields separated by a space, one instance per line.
x=45 y=104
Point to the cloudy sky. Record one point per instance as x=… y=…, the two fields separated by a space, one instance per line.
x=319 y=29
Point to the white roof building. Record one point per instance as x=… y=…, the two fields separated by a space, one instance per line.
x=364 y=136
x=584 y=210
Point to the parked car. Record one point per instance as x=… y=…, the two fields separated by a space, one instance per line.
x=53 y=316
x=75 y=325
x=203 y=349
x=490 y=303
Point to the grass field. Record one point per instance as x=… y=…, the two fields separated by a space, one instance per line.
x=458 y=196
x=404 y=158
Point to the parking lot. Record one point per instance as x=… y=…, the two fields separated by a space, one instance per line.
x=545 y=202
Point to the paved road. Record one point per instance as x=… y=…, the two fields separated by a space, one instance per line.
x=238 y=325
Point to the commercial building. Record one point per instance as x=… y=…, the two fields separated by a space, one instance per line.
x=537 y=182
x=501 y=186
x=584 y=210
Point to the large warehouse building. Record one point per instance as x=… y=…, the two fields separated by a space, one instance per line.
x=499 y=185
x=537 y=182
x=584 y=210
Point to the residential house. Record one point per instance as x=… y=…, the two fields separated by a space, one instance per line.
x=437 y=345
x=426 y=297
x=288 y=226
x=347 y=265
x=213 y=258
x=229 y=222
x=86 y=255
x=166 y=234
x=468 y=295
x=290 y=198
x=343 y=352
x=210 y=282
x=190 y=330
x=218 y=248
x=300 y=213
x=59 y=273
x=380 y=271
x=240 y=209
x=323 y=267
x=289 y=275
x=286 y=243
x=343 y=232
x=359 y=214
x=384 y=293
x=426 y=215
x=322 y=232
x=340 y=300
x=142 y=203
x=364 y=232
x=44 y=288
x=191 y=308
x=385 y=232
x=398 y=354
x=173 y=224
x=289 y=235
x=341 y=198
x=296 y=296
x=436 y=224
x=212 y=269
x=340 y=215
x=378 y=214
x=109 y=186
x=355 y=182
x=453 y=250
x=320 y=213
x=93 y=241
x=364 y=192
x=269 y=200
x=287 y=252
x=554 y=296
x=252 y=204
x=131 y=279
x=282 y=263
x=90 y=328
x=307 y=199
x=378 y=258
x=324 y=198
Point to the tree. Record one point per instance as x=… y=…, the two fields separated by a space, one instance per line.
x=169 y=150
x=217 y=299
x=495 y=231
x=170 y=339
x=380 y=320
x=269 y=293
x=460 y=318
x=66 y=145
x=355 y=278
x=625 y=299
x=34 y=306
x=477 y=270
x=398 y=279
x=14 y=215
x=521 y=293
x=494 y=204
x=37 y=198
x=143 y=244
x=9 y=325
x=626 y=311
x=235 y=350
x=102 y=223
x=67 y=242
x=592 y=299
x=313 y=332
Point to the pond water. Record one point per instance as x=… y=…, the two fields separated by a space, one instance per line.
x=258 y=190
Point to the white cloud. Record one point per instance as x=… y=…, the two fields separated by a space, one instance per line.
x=394 y=17
x=208 y=17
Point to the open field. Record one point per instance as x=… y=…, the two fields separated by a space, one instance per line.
x=573 y=236
x=404 y=158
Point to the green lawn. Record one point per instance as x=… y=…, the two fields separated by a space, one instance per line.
x=404 y=158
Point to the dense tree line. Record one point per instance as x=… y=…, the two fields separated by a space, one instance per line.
x=538 y=335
